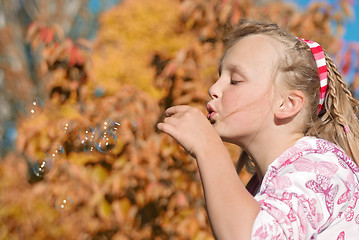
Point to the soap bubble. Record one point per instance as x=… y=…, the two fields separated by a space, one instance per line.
x=87 y=137
x=115 y=127
x=56 y=152
x=106 y=141
x=90 y=148
x=107 y=125
x=34 y=108
x=123 y=126
x=66 y=126
x=42 y=167
x=64 y=203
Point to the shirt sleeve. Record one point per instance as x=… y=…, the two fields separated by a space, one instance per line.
x=297 y=204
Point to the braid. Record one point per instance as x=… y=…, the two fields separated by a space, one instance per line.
x=338 y=76
x=338 y=123
x=333 y=102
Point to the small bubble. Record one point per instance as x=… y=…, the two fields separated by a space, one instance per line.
x=64 y=203
x=106 y=142
x=116 y=127
x=56 y=152
x=34 y=108
x=107 y=125
x=90 y=148
x=66 y=126
x=42 y=167
x=123 y=127
x=87 y=137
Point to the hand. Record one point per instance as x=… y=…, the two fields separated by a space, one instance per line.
x=190 y=128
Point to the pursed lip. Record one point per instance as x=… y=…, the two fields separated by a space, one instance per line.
x=211 y=112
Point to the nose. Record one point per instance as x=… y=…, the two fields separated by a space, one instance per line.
x=213 y=91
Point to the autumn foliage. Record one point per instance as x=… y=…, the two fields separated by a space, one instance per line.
x=148 y=55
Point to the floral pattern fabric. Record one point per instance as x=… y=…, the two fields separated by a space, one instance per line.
x=311 y=191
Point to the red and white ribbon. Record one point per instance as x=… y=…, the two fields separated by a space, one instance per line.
x=319 y=57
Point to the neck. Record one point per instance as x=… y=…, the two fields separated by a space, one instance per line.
x=263 y=151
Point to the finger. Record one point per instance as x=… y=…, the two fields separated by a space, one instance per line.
x=161 y=126
x=170 y=120
x=169 y=129
x=176 y=109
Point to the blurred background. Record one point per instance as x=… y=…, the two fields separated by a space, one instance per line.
x=83 y=84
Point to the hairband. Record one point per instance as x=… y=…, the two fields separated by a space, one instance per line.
x=319 y=57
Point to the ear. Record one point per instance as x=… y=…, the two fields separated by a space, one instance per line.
x=290 y=104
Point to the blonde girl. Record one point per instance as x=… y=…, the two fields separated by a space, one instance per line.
x=283 y=101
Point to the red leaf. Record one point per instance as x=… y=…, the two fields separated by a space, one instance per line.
x=346 y=62
x=46 y=34
x=236 y=13
x=49 y=35
x=75 y=56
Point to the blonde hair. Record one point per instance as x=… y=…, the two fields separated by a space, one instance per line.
x=337 y=120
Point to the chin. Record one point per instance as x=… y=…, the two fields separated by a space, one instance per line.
x=228 y=139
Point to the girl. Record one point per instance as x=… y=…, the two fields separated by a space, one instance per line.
x=282 y=100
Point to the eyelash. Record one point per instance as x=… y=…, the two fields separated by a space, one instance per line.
x=234 y=82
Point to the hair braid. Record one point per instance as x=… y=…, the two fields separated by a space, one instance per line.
x=338 y=76
x=335 y=112
x=339 y=113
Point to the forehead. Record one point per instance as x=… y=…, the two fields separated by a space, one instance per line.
x=254 y=52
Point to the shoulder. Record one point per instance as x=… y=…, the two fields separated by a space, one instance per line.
x=311 y=186
x=315 y=170
x=319 y=179
x=313 y=155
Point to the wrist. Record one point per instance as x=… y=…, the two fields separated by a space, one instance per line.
x=212 y=148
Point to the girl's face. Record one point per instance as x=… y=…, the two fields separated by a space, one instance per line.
x=242 y=98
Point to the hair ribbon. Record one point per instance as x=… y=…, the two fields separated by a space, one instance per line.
x=319 y=57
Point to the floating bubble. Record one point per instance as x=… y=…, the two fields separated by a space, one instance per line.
x=42 y=167
x=90 y=148
x=66 y=126
x=107 y=125
x=64 y=203
x=106 y=141
x=35 y=108
x=56 y=152
x=125 y=126
x=87 y=137
x=115 y=127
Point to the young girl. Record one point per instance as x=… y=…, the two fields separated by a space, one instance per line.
x=283 y=101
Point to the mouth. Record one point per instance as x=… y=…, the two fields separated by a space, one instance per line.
x=211 y=113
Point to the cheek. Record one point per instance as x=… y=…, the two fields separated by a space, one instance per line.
x=230 y=105
x=236 y=101
x=246 y=103
x=233 y=99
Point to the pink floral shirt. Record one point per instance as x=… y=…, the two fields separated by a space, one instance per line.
x=310 y=192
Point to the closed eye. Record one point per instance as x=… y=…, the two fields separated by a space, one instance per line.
x=235 y=82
